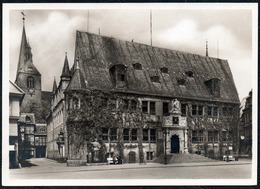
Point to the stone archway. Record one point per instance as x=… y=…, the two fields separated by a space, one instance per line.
x=175 y=144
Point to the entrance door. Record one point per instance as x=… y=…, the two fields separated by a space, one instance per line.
x=132 y=157
x=175 y=144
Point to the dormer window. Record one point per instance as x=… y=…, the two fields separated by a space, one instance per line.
x=181 y=81
x=155 y=79
x=189 y=74
x=164 y=70
x=213 y=86
x=118 y=75
x=137 y=66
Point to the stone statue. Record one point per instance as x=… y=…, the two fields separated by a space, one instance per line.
x=176 y=106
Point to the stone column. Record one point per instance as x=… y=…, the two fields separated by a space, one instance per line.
x=186 y=142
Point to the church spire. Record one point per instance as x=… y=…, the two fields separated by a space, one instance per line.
x=66 y=69
x=54 y=86
x=25 y=50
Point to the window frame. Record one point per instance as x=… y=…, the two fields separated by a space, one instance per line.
x=152 y=108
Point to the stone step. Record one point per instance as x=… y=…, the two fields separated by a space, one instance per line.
x=183 y=158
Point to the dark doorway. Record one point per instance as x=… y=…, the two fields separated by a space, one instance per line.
x=132 y=157
x=40 y=152
x=175 y=144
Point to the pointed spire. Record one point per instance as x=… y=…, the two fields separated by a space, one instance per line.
x=54 y=86
x=25 y=50
x=207 y=54
x=66 y=69
x=21 y=61
x=77 y=81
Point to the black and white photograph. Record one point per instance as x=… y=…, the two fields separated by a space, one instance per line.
x=129 y=94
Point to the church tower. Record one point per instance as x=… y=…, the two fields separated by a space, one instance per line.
x=28 y=78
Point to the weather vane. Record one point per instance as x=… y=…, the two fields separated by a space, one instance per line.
x=23 y=15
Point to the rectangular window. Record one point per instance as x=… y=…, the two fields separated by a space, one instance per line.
x=104 y=134
x=149 y=155
x=230 y=136
x=184 y=109
x=215 y=112
x=145 y=106
x=200 y=138
x=126 y=135
x=104 y=102
x=224 y=136
x=165 y=108
x=194 y=109
x=152 y=108
x=210 y=136
x=113 y=135
x=134 y=135
x=122 y=77
x=194 y=136
x=175 y=120
x=37 y=141
x=125 y=104
x=133 y=105
x=200 y=110
x=230 y=111
x=44 y=141
x=209 y=111
x=215 y=136
x=153 y=135
x=224 y=111
x=145 y=135
x=113 y=104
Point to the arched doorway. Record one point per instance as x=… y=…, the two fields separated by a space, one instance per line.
x=132 y=158
x=175 y=144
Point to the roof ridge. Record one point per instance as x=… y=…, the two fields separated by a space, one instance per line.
x=177 y=51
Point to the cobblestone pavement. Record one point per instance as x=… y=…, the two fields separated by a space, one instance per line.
x=50 y=169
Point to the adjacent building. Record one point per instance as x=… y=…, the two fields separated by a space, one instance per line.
x=246 y=125
x=36 y=103
x=138 y=102
x=16 y=95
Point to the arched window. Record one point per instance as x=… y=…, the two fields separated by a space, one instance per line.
x=137 y=66
x=30 y=82
x=164 y=70
x=75 y=103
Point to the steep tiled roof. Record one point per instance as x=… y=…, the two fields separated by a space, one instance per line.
x=98 y=53
x=77 y=81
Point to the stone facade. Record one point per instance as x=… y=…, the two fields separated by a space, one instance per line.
x=160 y=98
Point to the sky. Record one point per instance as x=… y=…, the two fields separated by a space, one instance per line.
x=51 y=33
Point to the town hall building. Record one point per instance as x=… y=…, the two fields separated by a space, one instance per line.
x=139 y=102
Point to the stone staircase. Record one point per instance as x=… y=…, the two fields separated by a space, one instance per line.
x=183 y=158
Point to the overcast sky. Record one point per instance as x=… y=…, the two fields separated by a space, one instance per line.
x=52 y=33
